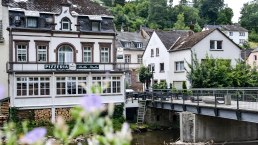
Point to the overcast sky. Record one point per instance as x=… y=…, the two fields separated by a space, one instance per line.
x=236 y=5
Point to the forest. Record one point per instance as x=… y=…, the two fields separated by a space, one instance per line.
x=163 y=15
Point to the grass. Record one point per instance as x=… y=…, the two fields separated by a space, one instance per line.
x=253 y=44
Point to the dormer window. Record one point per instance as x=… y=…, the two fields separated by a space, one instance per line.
x=138 y=45
x=95 y=26
x=32 y=22
x=66 y=24
x=127 y=44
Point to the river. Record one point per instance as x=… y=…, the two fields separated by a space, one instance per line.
x=155 y=137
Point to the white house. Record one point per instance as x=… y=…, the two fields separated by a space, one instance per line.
x=156 y=55
x=55 y=47
x=213 y=43
x=235 y=32
x=4 y=47
x=131 y=46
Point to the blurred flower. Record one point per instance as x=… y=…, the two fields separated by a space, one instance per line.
x=111 y=108
x=125 y=132
x=92 y=103
x=34 y=136
x=60 y=124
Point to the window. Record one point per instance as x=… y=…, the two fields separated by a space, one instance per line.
x=42 y=53
x=32 y=22
x=65 y=54
x=104 y=55
x=138 y=45
x=152 y=52
x=127 y=58
x=22 y=52
x=139 y=58
x=241 y=41
x=87 y=54
x=151 y=67
x=230 y=33
x=161 y=66
x=128 y=78
x=179 y=66
x=215 y=45
x=95 y=26
x=127 y=44
x=33 y=86
x=66 y=24
x=70 y=85
x=1 y=32
x=241 y=33
x=255 y=57
x=111 y=85
x=157 y=51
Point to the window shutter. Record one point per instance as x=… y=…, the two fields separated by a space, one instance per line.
x=1 y=32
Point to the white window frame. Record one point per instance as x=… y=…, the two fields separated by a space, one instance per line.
x=179 y=66
x=127 y=44
x=32 y=22
x=215 y=44
x=139 y=45
x=255 y=57
x=162 y=70
x=157 y=51
x=139 y=59
x=33 y=86
x=241 y=41
x=95 y=26
x=152 y=52
x=104 y=55
x=65 y=54
x=241 y=33
x=87 y=54
x=231 y=33
x=22 y=52
x=70 y=86
x=42 y=53
x=64 y=22
x=127 y=58
x=113 y=87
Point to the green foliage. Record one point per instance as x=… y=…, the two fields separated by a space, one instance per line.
x=145 y=75
x=157 y=9
x=209 y=10
x=216 y=73
x=249 y=17
x=180 y=23
x=184 y=85
x=197 y=28
x=253 y=36
x=13 y=114
x=225 y=16
x=161 y=85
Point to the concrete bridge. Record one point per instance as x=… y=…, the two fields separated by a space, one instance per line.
x=206 y=114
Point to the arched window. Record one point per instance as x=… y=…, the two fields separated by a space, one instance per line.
x=66 y=24
x=65 y=54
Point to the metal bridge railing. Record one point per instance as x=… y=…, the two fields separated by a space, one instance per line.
x=231 y=98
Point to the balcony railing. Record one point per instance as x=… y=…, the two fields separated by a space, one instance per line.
x=54 y=67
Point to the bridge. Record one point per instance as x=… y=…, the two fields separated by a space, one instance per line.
x=220 y=113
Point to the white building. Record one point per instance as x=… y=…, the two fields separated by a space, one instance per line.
x=132 y=46
x=4 y=47
x=56 y=47
x=235 y=32
x=174 y=54
x=156 y=55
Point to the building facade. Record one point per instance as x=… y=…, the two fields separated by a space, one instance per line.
x=235 y=32
x=58 y=51
x=4 y=47
x=131 y=46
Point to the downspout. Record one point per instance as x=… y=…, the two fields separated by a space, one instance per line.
x=191 y=81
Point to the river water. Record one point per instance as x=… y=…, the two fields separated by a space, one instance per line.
x=155 y=137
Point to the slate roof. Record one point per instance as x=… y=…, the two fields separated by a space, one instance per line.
x=168 y=38
x=235 y=27
x=130 y=37
x=188 y=42
x=82 y=7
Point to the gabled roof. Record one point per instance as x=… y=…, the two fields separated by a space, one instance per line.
x=168 y=38
x=188 y=42
x=132 y=37
x=82 y=7
x=235 y=27
x=245 y=53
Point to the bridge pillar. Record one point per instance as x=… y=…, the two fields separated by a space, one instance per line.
x=199 y=128
x=160 y=117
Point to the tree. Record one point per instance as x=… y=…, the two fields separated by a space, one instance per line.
x=209 y=10
x=180 y=23
x=197 y=28
x=225 y=16
x=157 y=12
x=145 y=76
x=249 y=17
x=120 y=2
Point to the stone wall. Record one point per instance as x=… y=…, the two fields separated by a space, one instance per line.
x=160 y=117
x=136 y=85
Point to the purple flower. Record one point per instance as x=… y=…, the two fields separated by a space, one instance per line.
x=33 y=136
x=91 y=103
x=2 y=90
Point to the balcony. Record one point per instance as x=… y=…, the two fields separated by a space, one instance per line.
x=69 y=67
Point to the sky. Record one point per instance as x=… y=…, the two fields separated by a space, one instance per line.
x=236 y=5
